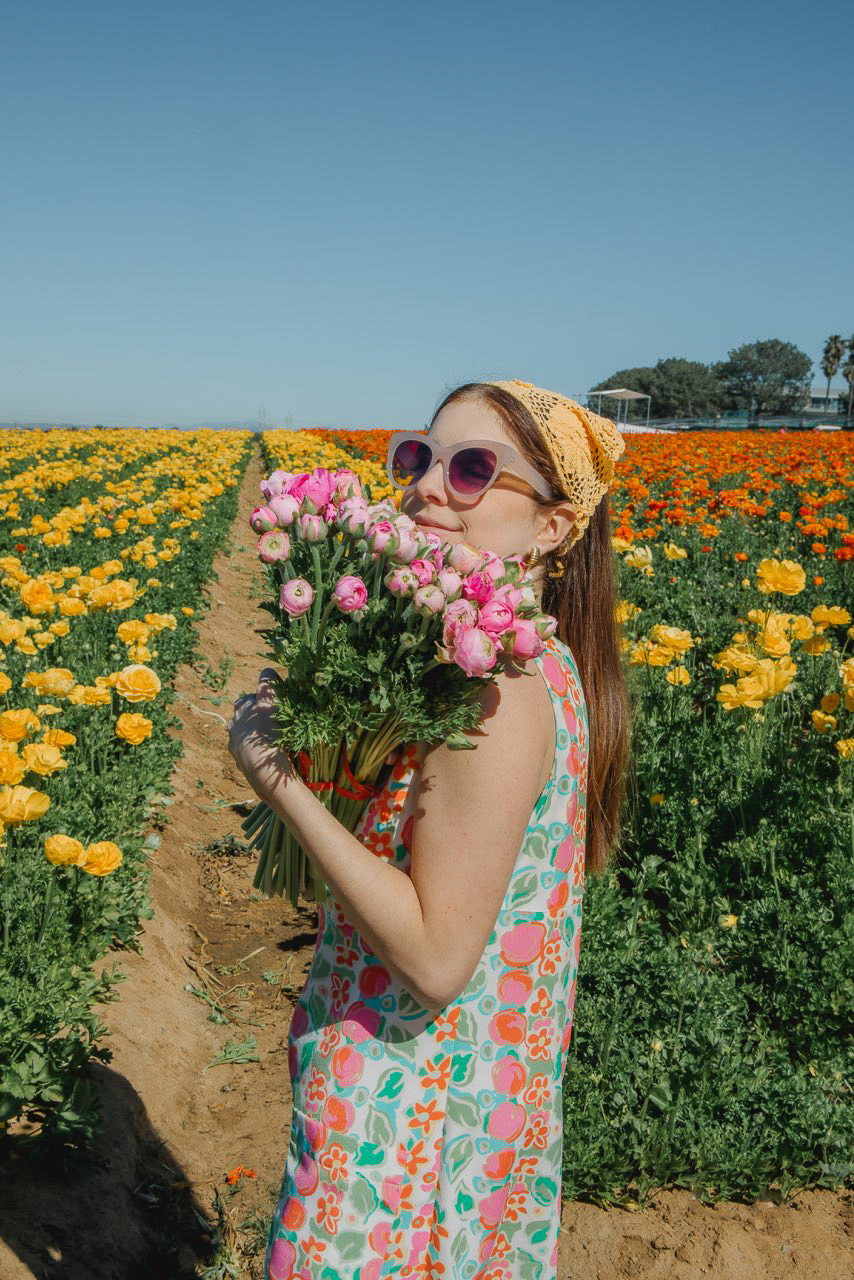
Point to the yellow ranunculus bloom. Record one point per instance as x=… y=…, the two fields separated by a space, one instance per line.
x=160 y=621
x=672 y=638
x=678 y=675
x=70 y=607
x=11 y=768
x=845 y=747
x=138 y=683
x=785 y=576
x=22 y=804
x=118 y=594
x=133 y=631
x=187 y=611
x=727 y=922
x=102 y=858
x=672 y=551
x=5 y=682
x=37 y=596
x=18 y=724
x=64 y=851
x=830 y=616
x=821 y=722
x=59 y=738
x=43 y=759
x=830 y=702
x=133 y=727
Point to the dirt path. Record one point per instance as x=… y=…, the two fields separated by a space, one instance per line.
x=154 y=1200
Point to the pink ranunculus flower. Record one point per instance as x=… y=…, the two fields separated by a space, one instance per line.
x=408 y=547
x=428 y=599
x=352 y=516
x=424 y=570
x=262 y=520
x=382 y=536
x=521 y=640
x=494 y=566
x=275 y=483
x=479 y=586
x=451 y=583
x=465 y=558
x=296 y=485
x=296 y=596
x=347 y=484
x=329 y=512
x=319 y=489
x=401 y=582
x=510 y=595
x=546 y=626
x=458 y=615
x=474 y=651
x=274 y=545
x=528 y=595
x=495 y=617
x=350 y=593
x=312 y=527
x=286 y=509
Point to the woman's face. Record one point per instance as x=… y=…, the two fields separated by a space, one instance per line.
x=506 y=519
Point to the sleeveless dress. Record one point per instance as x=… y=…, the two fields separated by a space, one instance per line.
x=429 y=1145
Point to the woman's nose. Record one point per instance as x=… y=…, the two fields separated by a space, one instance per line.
x=432 y=483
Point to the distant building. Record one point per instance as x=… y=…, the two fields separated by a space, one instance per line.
x=821 y=402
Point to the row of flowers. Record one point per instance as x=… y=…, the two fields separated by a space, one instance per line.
x=88 y=647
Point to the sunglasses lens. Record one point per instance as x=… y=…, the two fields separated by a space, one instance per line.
x=472 y=469
x=409 y=462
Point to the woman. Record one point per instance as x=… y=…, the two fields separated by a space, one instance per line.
x=428 y=1047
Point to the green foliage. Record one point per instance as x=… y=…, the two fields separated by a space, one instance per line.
x=711 y=1038
x=765 y=377
x=679 y=389
x=56 y=923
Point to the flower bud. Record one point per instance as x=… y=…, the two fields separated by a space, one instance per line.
x=350 y=593
x=262 y=519
x=313 y=527
x=428 y=599
x=474 y=651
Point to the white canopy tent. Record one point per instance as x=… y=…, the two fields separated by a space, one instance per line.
x=624 y=395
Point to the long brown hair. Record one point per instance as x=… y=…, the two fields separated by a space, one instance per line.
x=583 y=600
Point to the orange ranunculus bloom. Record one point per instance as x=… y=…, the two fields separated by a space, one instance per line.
x=133 y=727
x=22 y=804
x=102 y=857
x=64 y=851
x=138 y=683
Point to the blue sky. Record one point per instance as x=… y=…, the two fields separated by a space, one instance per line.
x=334 y=212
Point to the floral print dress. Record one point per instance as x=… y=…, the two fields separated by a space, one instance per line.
x=429 y=1145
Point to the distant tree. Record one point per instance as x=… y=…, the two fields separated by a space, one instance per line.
x=679 y=388
x=834 y=350
x=848 y=374
x=765 y=377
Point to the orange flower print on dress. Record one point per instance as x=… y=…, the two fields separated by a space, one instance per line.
x=425 y=1145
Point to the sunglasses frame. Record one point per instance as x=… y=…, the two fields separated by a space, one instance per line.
x=506 y=457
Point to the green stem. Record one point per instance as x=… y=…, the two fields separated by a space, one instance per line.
x=318 y=593
x=47 y=901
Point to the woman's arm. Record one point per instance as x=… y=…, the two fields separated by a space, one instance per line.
x=429 y=927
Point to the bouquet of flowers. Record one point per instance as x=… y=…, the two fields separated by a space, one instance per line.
x=387 y=635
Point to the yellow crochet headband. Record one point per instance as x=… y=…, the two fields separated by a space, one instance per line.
x=583 y=446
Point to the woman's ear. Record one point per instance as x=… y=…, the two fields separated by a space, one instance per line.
x=555 y=527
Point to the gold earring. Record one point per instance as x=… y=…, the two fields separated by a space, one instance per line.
x=533 y=557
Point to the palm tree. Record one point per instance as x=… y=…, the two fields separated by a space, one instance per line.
x=848 y=374
x=834 y=350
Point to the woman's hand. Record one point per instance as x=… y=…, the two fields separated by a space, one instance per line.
x=252 y=733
